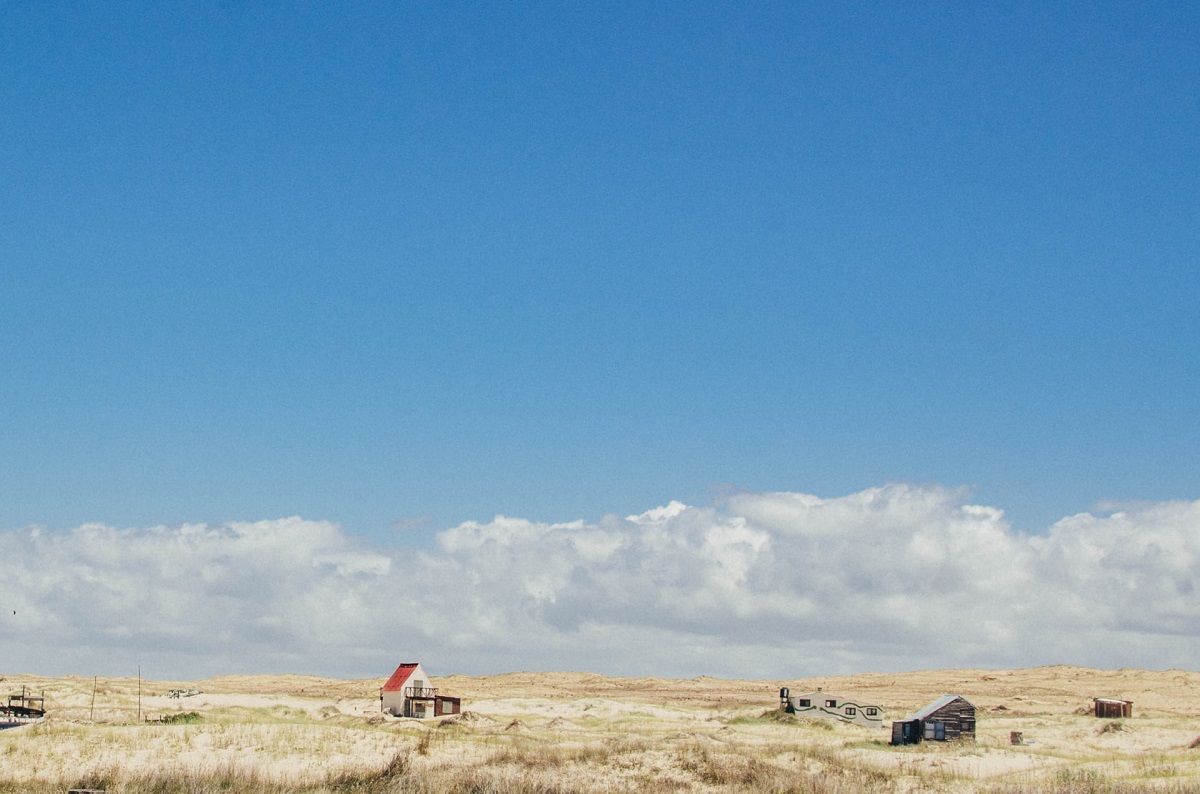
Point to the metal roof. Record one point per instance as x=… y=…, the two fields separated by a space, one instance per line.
x=944 y=700
x=400 y=676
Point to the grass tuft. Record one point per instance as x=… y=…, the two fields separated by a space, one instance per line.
x=182 y=718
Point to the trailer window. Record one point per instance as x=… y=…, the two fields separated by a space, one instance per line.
x=805 y=703
x=851 y=711
x=831 y=704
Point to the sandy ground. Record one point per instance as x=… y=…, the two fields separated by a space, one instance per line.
x=304 y=729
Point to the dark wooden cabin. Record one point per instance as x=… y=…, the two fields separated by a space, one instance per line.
x=444 y=704
x=1111 y=707
x=949 y=718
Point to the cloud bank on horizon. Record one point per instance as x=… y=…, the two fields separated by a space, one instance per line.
x=761 y=585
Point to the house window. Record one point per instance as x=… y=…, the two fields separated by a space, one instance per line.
x=805 y=703
x=851 y=711
x=831 y=704
x=870 y=711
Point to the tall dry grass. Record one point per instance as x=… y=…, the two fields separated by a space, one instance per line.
x=532 y=766
x=1084 y=781
x=613 y=739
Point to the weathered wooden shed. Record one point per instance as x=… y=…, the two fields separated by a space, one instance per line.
x=1112 y=707
x=949 y=718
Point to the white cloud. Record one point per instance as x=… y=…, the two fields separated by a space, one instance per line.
x=765 y=584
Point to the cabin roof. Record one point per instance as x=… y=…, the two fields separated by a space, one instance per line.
x=944 y=700
x=400 y=676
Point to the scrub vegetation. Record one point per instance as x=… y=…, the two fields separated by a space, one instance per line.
x=561 y=732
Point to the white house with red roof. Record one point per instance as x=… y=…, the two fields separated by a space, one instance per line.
x=409 y=693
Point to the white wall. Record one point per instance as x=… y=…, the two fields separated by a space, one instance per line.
x=818 y=709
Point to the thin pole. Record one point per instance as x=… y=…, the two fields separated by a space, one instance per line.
x=139 y=693
x=92 y=713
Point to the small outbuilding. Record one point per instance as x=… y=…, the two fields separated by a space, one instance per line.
x=408 y=693
x=1112 y=707
x=831 y=706
x=949 y=718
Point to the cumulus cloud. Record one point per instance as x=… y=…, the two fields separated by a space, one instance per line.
x=762 y=584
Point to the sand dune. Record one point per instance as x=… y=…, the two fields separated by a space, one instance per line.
x=591 y=732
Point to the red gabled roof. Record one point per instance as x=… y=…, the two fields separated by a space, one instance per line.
x=399 y=677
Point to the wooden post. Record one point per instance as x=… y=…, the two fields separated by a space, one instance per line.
x=139 y=693
x=92 y=713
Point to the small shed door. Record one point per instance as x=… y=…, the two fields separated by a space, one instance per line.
x=908 y=732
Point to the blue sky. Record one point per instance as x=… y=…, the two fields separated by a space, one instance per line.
x=416 y=264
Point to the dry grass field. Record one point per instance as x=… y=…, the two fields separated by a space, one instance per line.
x=559 y=732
